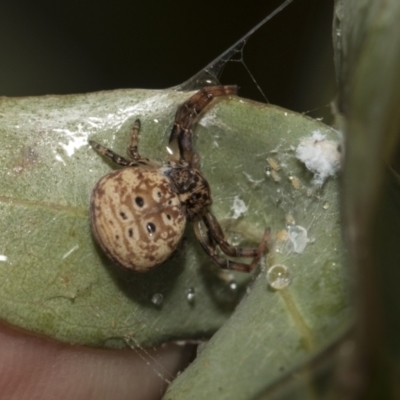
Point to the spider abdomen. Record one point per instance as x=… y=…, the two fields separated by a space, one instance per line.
x=136 y=217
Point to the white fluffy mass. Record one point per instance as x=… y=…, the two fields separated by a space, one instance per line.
x=320 y=156
x=239 y=207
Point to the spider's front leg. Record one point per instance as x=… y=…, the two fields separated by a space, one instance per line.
x=133 y=148
x=133 y=151
x=124 y=162
x=210 y=234
x=181 y=138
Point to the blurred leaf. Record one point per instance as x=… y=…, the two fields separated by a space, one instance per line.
x=367 y=54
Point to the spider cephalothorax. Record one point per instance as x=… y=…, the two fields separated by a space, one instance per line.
x=193 y=190
x=139 y=213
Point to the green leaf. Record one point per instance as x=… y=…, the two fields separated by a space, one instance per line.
x=368 y=63
x=56 y=281
x=273 y=331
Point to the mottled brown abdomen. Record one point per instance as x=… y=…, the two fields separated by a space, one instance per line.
x=136 y=217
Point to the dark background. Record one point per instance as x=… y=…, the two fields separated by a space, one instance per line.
x=74 y=46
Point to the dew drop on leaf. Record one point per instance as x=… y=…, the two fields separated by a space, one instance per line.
x=157 y=299
x=190 y=295
x=279 y=276
x=233 y=285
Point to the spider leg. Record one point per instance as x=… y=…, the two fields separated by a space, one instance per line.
x=208 y=244
x=133 y=151
x=133 y=148
x=218 y=237
x=187 y=116
x=209 y=247
x=124 y=162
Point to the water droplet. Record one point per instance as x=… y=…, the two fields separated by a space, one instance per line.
x=330 y=264
x=233 y=285
x=157 y=299
x=190 y=295
x=279 y=276
x=235 y=239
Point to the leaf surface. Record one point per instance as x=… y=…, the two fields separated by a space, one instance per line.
x=56 y=281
